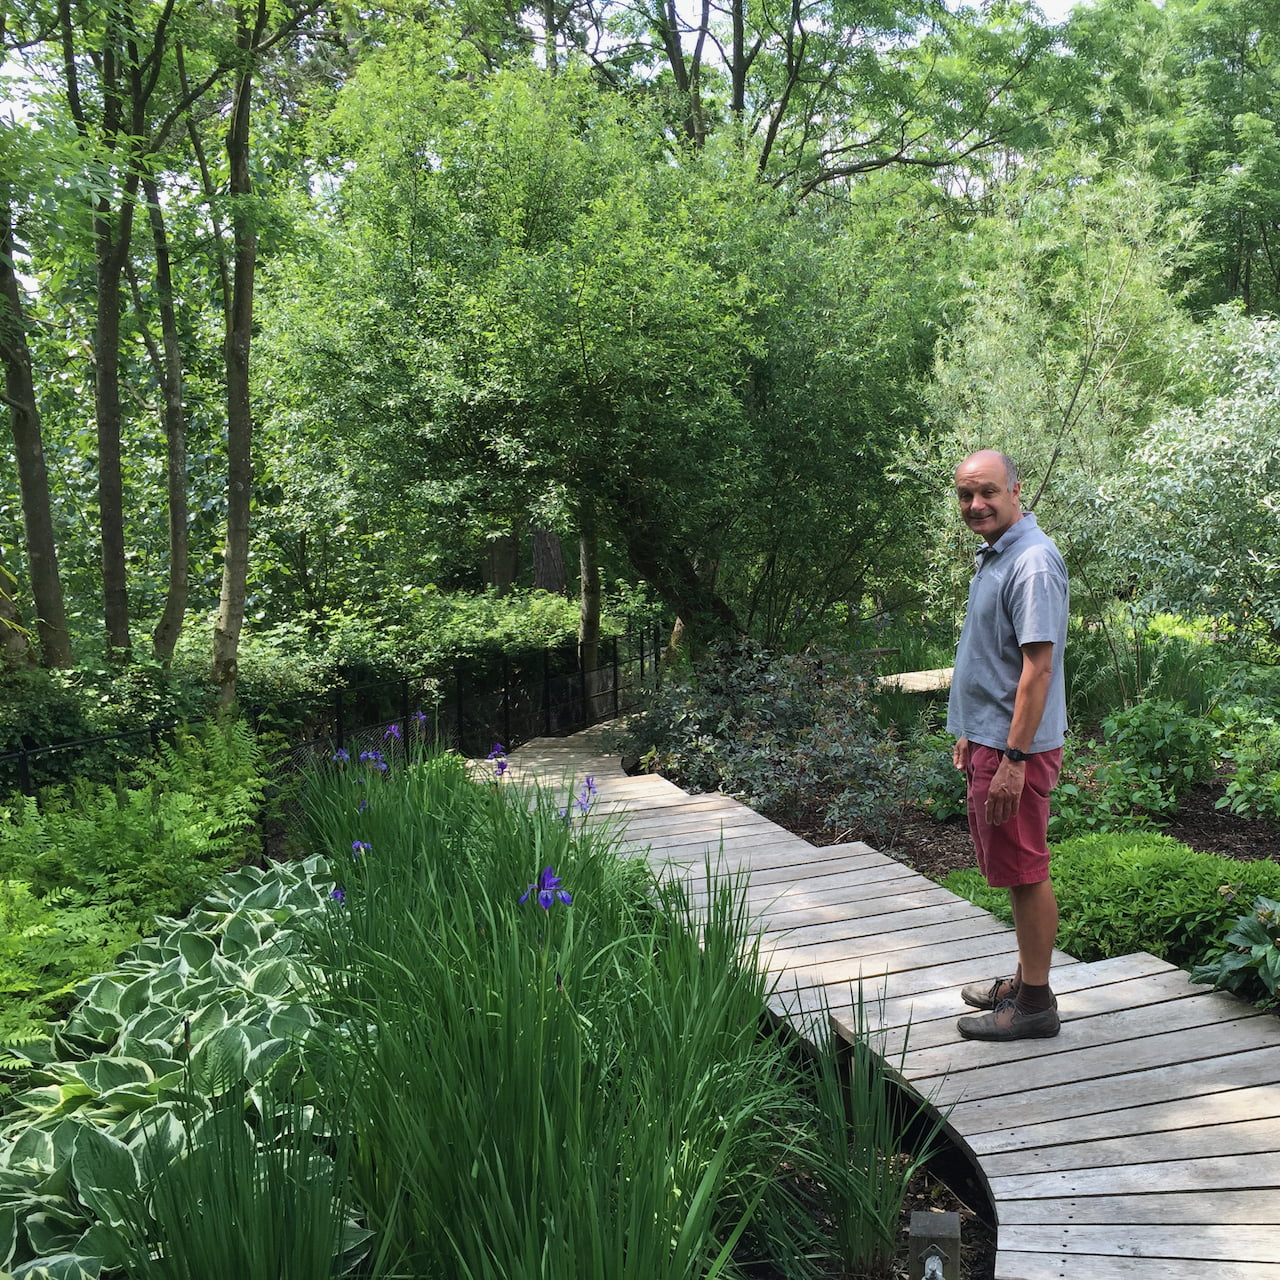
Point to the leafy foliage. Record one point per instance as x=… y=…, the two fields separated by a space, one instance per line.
x=1249 y=963
x=795 y=736
x=1220 y=460
x=1120 y=893
x=149 y=848
x=113 y=1102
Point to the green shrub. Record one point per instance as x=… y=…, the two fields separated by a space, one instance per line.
x=1250 y=745
x=795 y=736
x=1249 y=960
x=941 y=789
x=1121 y=893
x=149 y=848
x=47 y=946
x=1152 y=754
x=1122 y=661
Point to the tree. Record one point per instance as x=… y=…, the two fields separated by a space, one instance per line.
x=527 y=309
x=1066 y=347
x=1195 y=520
x=28 y=442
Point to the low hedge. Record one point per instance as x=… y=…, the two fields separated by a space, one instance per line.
x=1125 y=892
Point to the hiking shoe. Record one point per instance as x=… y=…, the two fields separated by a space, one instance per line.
x=1007 y=1022
x=986 y=995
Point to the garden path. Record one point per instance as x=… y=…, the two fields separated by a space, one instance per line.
x=1143 y=1143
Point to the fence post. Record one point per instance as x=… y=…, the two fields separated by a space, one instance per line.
x=642 y=655
x=506 y=701
x=404 y=711
x=546 y=692
x=582 y=687
x=457 y=696
x=615 y=676
x=24 y=772
x=339 y=724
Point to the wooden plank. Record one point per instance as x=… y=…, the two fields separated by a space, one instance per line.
x=908 y=953
x=1196 y=1078
x=1166 y=1016
x=1241 y=1137
x=1187 y=1208
x=1070 y=976
x=941 y=913
x=1090 y=1266
x=929 y=1019
x=824 y=938
x=1229 y=1107
x=1234 y=1242
x=797 y=902
x=1058 y=1065
x=1213 y=1173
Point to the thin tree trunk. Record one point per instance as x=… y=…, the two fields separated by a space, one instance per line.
x=15 y=645
x=169 y=373
x=111 y=246
x=548 y=562
x=235 y=562
x=28 y=447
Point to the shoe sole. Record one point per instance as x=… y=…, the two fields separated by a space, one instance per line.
x=1001 y=1037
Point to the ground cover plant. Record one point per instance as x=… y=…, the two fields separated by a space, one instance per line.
x=84 y=869
x=468 y=1039
x=1141 y=891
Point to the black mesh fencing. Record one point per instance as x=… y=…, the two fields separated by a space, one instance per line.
x=480 y=703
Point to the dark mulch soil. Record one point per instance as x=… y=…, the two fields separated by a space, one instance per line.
x=937 y=848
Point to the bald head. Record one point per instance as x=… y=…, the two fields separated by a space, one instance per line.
x=993 y=457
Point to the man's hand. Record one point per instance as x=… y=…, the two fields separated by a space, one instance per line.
x=960 y=753
x=1005 y=791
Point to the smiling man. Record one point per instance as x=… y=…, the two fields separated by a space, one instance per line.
x=1008 y=712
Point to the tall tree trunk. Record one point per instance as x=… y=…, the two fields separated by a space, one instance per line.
x=169 y=373
x=235 y=562
x=111 y=240
x=548 y=562
x=28 y=448
x=502 y=562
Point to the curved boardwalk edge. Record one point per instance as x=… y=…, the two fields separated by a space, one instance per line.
x=1142 y=1143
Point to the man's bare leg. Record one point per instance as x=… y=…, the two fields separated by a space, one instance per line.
x=1035 y=922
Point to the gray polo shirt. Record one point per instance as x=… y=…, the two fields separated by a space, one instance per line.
x=1018 y=596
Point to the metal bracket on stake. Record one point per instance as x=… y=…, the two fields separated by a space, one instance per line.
x=934 y=1243
x=933 y=1261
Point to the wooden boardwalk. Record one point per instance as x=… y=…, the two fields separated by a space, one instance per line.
x=1143 y=1143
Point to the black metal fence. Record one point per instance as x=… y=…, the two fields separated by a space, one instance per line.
x=482 y=701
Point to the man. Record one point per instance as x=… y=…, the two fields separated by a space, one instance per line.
x=1008 y=712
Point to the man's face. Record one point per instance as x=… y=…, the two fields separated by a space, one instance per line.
x=987 y=504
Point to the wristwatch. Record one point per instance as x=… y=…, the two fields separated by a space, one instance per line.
x=1012 y=753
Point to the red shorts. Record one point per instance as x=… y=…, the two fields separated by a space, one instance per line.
x=1016 y=852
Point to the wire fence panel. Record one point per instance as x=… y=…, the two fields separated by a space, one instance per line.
x=481 y=702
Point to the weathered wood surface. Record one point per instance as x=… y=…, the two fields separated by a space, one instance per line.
x=1142 y=1143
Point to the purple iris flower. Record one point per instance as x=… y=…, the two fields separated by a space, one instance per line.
x=341 y=756
x=338 y=896
x=548 y=890
x=358 y=847
x=499 y=757
x=393 y=731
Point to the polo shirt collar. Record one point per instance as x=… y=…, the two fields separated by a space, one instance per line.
x=1018 y=529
